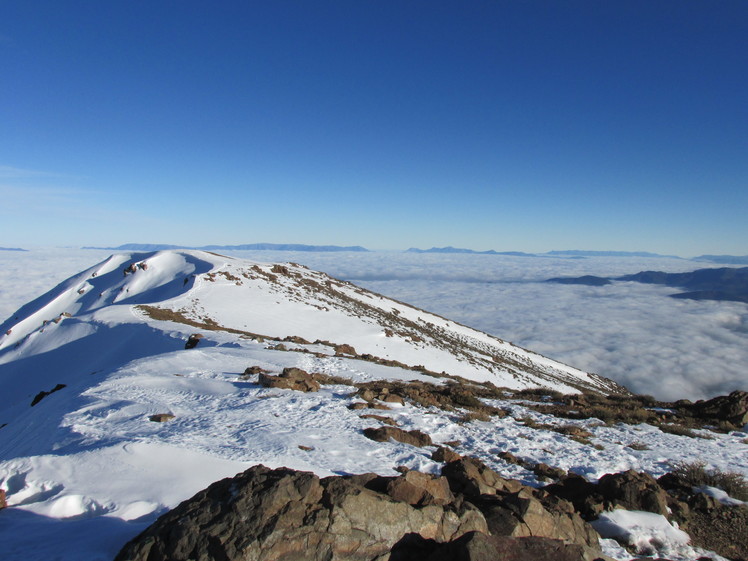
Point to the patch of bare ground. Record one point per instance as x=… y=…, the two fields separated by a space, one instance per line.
x=681 y=417
x=450 y=396
x=179 y=316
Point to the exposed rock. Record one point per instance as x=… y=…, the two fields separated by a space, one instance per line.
x=296 y=339
x=545 y=471
x=342 y=350
x=412 y=437
x=281 y=514
x=510 y=458
x=161 y=417
x=472 y=478
x=252 y=371
x=732 y=408
x=475 y=546
x=444 y=454
x=420 y=489
x=290 y=378
x=41 y=395
x=193 y=340
x=522 y=514
x=630 y=490
x=580 y=492
x=3 y=500
x=633 y=491
x=366 y=405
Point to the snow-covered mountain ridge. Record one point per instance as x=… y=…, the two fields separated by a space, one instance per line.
x=261 y=301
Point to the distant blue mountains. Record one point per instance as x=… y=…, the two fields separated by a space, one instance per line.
x=570 y=253
x=725 y=283
x=248 y=247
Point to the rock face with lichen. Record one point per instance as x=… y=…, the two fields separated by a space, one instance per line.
x=284 y=515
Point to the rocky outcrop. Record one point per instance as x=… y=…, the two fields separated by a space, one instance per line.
x=732 y=408
x=284 y=515
x=412 y=437
x=193 y=340
x=475 y=546
x=42 y=394
x=290 y=378
x=633 y=490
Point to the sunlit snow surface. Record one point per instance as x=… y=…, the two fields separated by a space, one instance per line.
x=85 y=470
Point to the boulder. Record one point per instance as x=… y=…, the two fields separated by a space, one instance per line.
x=444 y=454
x=732 y=408
x=3 y=499
x=545 y=471
x=419 y=489
x=522 y=514
x=345 y=350
x=412 y=437
x=475 y=546
x=290 y=378
x=161 y=417
x=472 y=478
x=633 y=491
x=193 y=340
x=282 y=514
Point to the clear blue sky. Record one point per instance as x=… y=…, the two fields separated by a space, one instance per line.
x=523 y=125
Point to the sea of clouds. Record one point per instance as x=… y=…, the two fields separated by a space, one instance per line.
x=630 y=332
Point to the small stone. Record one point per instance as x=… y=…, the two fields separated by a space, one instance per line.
x=161 y=417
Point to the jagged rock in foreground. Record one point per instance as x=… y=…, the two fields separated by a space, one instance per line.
x=283 y=515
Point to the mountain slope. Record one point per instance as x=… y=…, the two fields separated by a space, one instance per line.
x=107 y=419
x=215 y=293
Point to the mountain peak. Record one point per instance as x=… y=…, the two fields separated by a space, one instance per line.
x=215 y=293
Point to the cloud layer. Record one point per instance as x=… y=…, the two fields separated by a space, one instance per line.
x=630 y=332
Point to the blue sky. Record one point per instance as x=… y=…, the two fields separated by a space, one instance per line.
x=520 y=125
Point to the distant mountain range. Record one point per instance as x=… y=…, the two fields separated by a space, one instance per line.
x=724 y=259
x=12 y=249
x=572 y=253
x=450 y=249
x=252 y=247
x=726 y=283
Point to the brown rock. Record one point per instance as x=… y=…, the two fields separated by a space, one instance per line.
x=419 y=489
x=412 y=437
x=522 y=514
x=252 y=370
x=161 y=417
x=475 y=546
x=444 y=454
x=3 y=499
x=633 y=491
x=341 y=350
x=580 y=492
x=290 y=378
x=472 y=477
x=282 y=514
x=546 y=471
x=732 y=408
